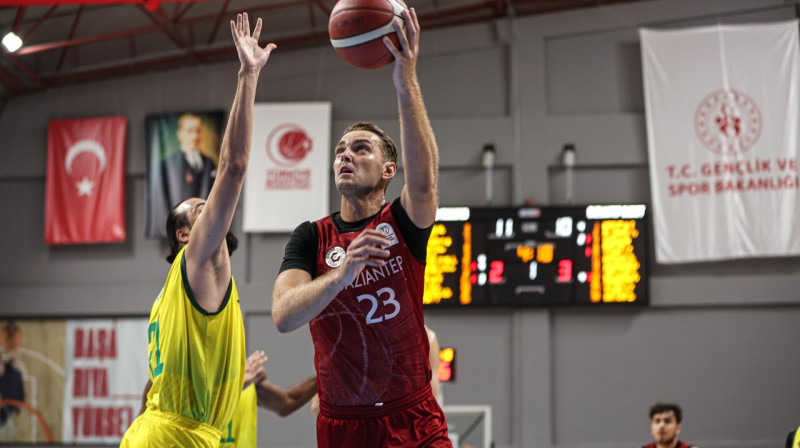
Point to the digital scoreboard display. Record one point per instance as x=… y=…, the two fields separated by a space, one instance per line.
x=537 y=256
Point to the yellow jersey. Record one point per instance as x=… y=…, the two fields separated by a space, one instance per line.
x=197 y=363
x=242 y=430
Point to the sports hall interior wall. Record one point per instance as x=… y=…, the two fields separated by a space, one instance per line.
x=718 y=338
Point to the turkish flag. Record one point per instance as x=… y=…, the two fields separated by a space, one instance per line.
x=85 y=191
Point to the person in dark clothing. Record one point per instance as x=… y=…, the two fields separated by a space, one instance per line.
x=11 y=387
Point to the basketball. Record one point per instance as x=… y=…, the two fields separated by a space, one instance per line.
x=356 y=29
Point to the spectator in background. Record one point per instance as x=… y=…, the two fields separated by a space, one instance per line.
x=665 y=425
x=11 y=388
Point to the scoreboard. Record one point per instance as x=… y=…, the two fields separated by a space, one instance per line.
x=538 y=256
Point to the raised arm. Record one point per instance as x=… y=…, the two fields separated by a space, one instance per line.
x=207 y=260
x=420 y=154
x=284 y=402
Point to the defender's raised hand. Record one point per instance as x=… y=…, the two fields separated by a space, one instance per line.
x=252 y=57
x=254 y=368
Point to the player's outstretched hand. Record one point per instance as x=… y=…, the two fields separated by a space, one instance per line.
x=405 y=57
x=252 y=57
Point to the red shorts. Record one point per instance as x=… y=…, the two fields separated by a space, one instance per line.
x=415 y=421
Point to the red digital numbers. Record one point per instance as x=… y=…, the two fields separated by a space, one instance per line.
x=564 y=271
x=447 y=364
x=496 y=269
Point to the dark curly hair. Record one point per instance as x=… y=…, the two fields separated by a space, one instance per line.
x=659 y=408
x=175 y=221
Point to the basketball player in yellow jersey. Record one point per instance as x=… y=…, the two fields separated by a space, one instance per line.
x=242 y=429
x=196 y=334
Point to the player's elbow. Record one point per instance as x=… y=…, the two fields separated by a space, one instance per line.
x=233 y=168
x=282 y=326
x=285 y=411
x=423 y=187
x=281 y=320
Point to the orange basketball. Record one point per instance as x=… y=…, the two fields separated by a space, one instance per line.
x=357 y=27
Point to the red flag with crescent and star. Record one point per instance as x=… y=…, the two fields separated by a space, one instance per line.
x=85 y=191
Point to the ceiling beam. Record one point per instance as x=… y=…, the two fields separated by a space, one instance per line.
x=159 y=26
x=218 y=22
x=41 y=20
x=457 y=11
x=228 y=51
x=18 y=19
x=322 y=6
x=27 y=71
x=172 y=33
x=183 y=12
x=12 y=82
x=31 y=49
x=69 y=37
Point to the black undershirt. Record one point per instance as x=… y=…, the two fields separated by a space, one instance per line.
x=301 y=251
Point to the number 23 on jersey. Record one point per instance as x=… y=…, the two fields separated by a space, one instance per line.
x=389 y=308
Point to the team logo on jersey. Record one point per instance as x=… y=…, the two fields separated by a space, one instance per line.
x=334 y=257
x=387 y=229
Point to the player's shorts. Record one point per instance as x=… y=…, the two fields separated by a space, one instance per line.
x=158 y=429
x=414 y=421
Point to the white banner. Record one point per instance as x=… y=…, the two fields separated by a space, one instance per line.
x=106 y=370
x=722 y=125
x=289 y=173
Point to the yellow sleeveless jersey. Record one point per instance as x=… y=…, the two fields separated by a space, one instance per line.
x=243 y=428
x=196 y=366
x=795 y=442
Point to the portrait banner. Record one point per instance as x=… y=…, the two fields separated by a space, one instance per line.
x=85 y=191
x=288 y=178
x=722 y=126
x=182 y=157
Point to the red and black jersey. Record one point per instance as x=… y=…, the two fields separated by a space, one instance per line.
x=679 y=445
x=370 y=343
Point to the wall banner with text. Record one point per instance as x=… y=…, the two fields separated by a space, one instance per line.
x=71 y=381
x=722 y=130
x=106 y=370
x=288 y=179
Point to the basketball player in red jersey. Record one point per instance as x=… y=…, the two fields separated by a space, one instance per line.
x=357 y=278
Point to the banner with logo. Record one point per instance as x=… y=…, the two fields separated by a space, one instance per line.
x=722 y=128
x=288 y=177
x=85 y=191
x=71 y=381
x=182 y=157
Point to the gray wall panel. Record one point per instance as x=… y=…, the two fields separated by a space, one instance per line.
x=718 y=337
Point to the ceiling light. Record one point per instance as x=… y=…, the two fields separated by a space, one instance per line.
x=12 y=42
